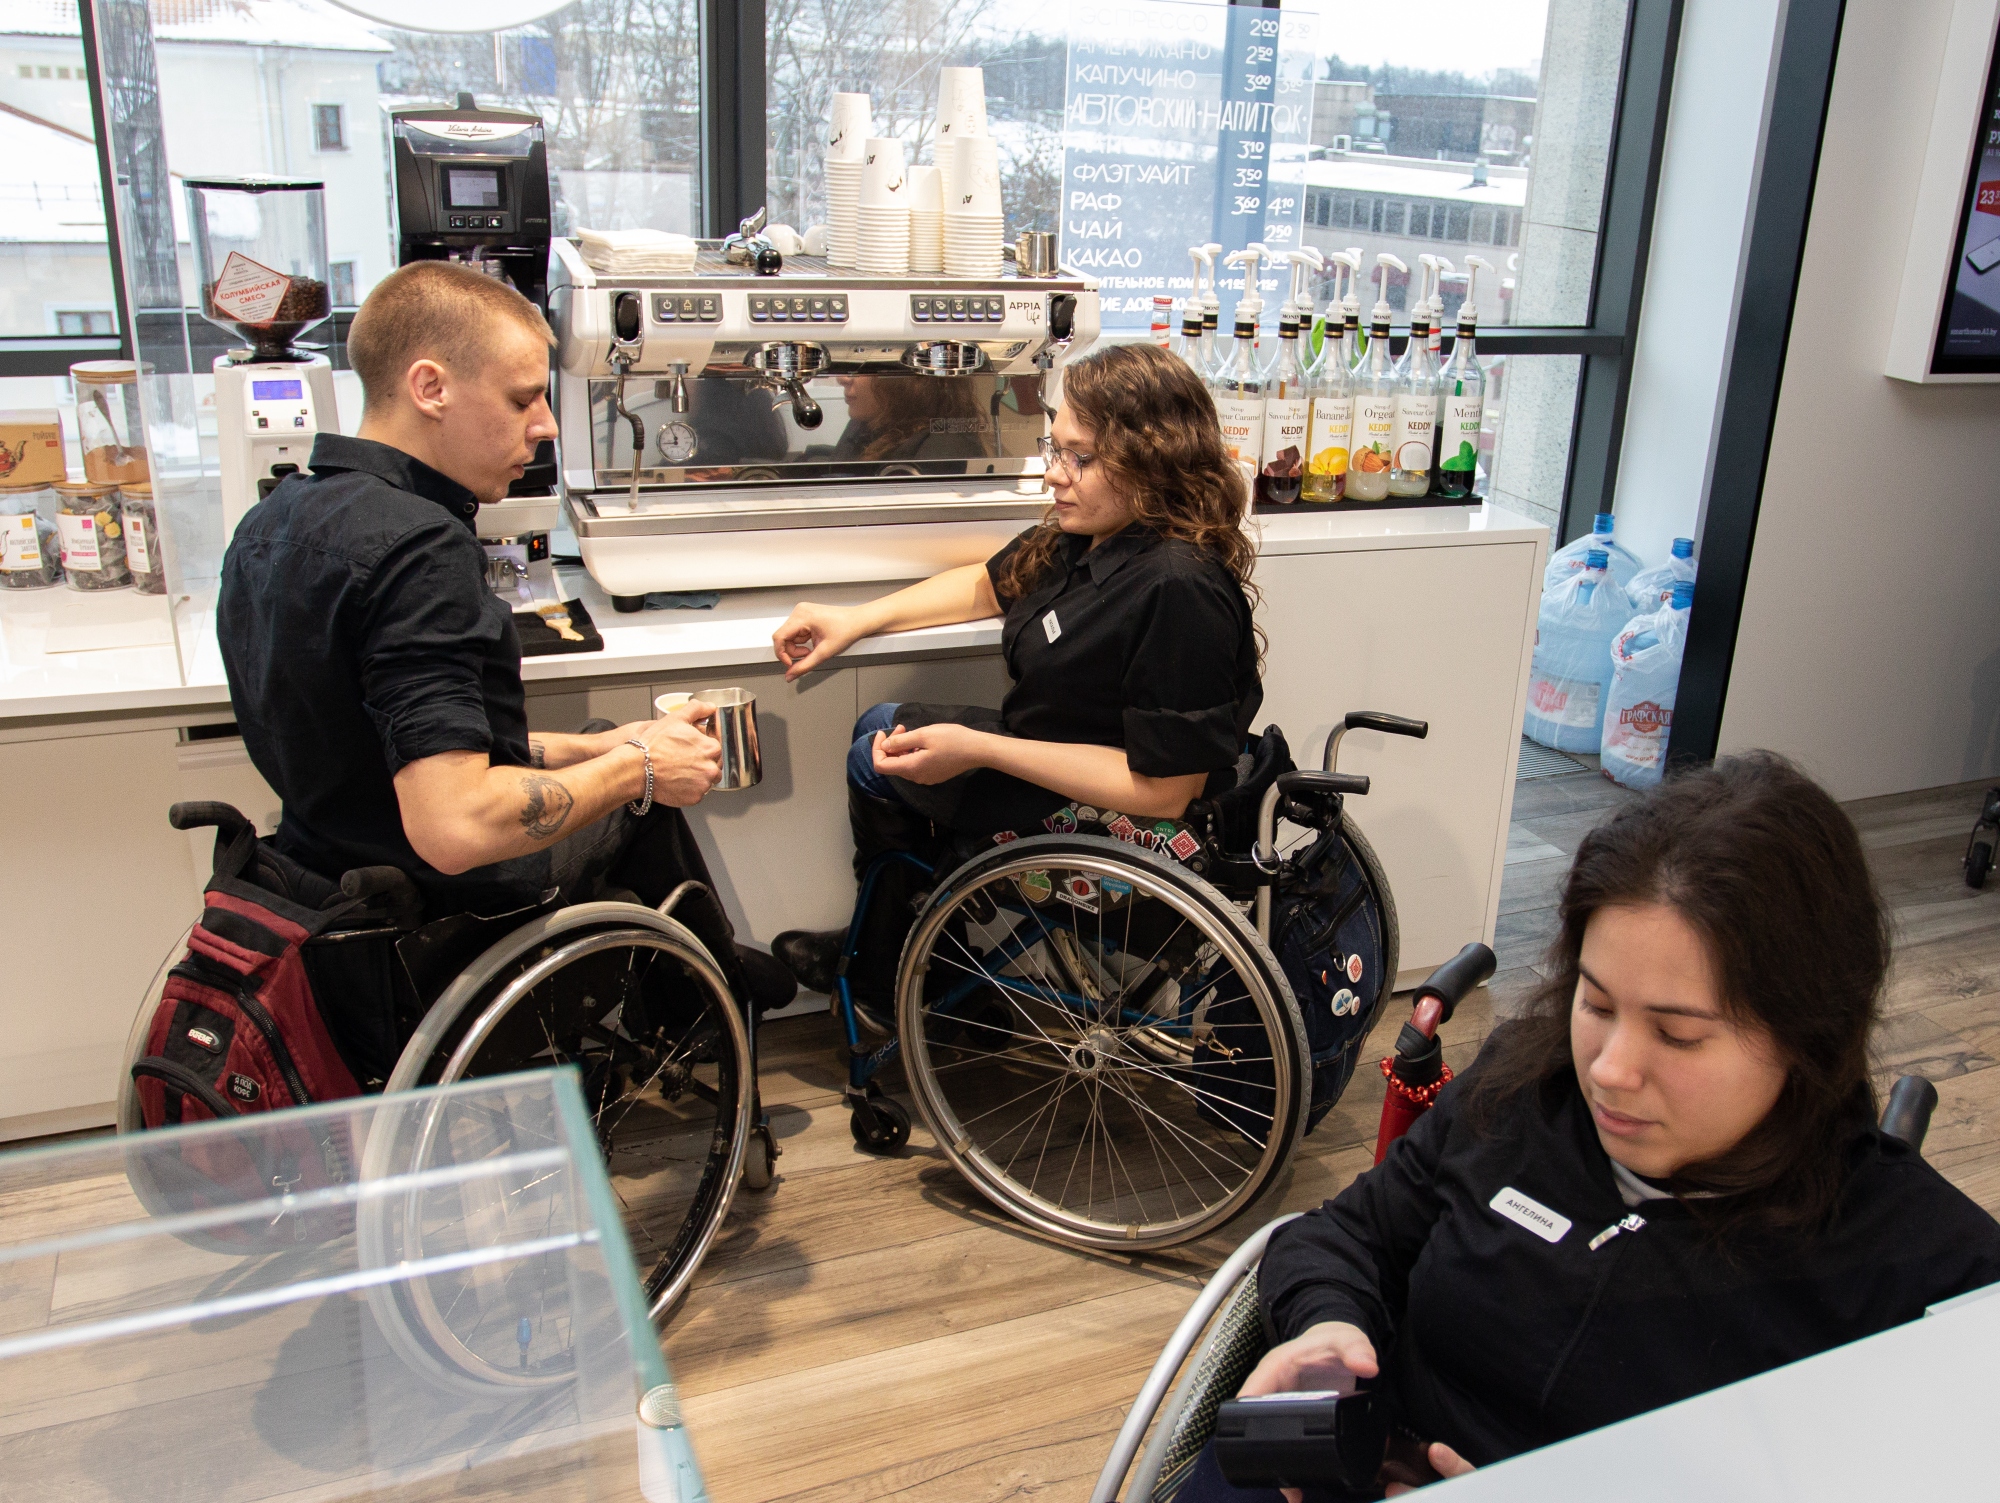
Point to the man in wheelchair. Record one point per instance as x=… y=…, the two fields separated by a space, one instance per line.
x=376 y=677
x=1667 y=1176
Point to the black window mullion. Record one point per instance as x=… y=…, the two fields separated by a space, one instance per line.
x=732 y=112
x=86 y=15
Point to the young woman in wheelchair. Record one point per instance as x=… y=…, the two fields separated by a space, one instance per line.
x=1665 y=1177
x=1127 y=632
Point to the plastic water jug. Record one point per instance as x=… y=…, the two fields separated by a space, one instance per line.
x=1572 y=666
x=1645 y=675
x=1652 y=588
x=1569 y=559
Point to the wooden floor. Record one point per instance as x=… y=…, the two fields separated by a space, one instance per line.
x=867 y=1329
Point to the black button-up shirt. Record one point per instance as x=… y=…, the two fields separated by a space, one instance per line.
x=1143 y=643
x=359 y=635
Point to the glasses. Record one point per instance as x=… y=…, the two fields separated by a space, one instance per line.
x=1053 y=455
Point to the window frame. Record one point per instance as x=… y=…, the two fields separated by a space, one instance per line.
x=340 y=127
x=733 y=47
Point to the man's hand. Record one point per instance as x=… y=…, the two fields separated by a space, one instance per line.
x=930 y=754
x=687 y=762
x=1444 y=1461
x=814 y=633
x=1330 y=1356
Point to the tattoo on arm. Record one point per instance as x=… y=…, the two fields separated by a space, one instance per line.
x=538 y=754
x=547 y=808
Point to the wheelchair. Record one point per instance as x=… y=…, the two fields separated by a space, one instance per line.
x=1105 y=1035
x=627 y=995
x=1221 y=1339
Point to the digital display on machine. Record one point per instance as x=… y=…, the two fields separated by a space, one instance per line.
x=474 y=189
x=1968 y=340
x=277 y=391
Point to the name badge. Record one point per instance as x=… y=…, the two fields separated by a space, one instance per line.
x=1051 y=626
x=1525 y=1211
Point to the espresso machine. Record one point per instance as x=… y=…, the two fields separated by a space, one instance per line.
x=764 y=421
x=472 y=186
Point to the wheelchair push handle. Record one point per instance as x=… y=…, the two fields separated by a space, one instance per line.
x=1323 y=782
x=1370 y=720
x=1419 y=1060
x=201 y=814
x=1908 y=1115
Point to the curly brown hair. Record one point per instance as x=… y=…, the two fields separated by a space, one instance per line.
x=1157 y=437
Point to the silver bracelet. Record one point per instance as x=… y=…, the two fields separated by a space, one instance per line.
x=645 y=804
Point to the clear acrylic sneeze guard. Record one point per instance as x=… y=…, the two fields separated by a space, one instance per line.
x=421 y=1296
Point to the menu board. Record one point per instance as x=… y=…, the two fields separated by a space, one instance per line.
x=1968 y=337
x=1184 y=124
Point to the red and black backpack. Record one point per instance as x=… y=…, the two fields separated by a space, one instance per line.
x=238 y=1029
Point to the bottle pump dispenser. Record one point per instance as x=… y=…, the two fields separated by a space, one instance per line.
x=1375 y=397
x=1463 y=386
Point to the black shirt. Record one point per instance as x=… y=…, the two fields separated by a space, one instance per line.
x=1142 y=642
x=1496 y=1340
x=359 y=635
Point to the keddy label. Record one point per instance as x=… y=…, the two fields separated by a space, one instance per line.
x=1522 y=1210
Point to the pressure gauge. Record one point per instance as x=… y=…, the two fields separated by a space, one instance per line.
x=677 y=443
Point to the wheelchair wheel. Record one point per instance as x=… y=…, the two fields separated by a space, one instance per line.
x=1099 y=1042
x=634 y=1002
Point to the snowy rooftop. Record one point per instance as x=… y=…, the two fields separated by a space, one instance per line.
x=1446 y=180
x=258 y=23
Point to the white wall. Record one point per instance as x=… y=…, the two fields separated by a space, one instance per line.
x=1870 y=640
x=1713 y=127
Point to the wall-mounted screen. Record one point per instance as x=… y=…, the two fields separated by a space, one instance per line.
x=1968 y=335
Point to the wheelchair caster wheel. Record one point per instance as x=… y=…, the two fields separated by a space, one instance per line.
x=1978 y=862
x=757 y=1156
x=880 y=1126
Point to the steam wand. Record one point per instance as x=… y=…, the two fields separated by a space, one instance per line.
x=627 y=340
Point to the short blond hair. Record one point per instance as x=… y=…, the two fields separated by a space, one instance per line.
x=431 y=310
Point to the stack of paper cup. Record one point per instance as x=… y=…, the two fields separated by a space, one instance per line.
x=846 y=147
x=961 y=110
x=973 y=223
x=885 y=209
x=926 y=219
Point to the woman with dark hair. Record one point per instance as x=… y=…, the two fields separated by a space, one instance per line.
x=1665 y=1177
x=1127 y=632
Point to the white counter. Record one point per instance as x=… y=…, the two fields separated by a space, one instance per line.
x=1427 y=612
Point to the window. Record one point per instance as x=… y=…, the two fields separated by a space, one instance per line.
x=85 y=322
x=329 y=127
x=340 y=279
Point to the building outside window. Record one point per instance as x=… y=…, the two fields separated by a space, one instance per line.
x=340 y=283
x=329 y=127
x=84 y=323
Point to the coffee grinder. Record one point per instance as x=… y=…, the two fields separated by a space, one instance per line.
x=472 y=186
x=260 y=250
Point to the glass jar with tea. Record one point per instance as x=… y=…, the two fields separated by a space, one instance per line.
x=91 y=523
x=30 y=548
x=144 y=552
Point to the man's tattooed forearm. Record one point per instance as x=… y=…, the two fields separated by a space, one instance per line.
x=547 y=808
x=538 y=754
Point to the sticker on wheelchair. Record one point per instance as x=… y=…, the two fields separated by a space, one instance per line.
x=1079 y=891
x=1345 y=1002
x=1062 y=822
x=1354 y=969
x=1113 y=891
x=1035 y=886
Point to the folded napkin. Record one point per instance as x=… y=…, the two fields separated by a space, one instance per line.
x=636 y=252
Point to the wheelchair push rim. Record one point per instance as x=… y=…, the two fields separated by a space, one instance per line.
x=480 y=1028
x=1099 y=1042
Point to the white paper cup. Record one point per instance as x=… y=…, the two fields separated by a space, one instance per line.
x=974 y=186
x=961 y=102
x=926 y=190
x=884 y=178
x=668 y=702
x=851 y=124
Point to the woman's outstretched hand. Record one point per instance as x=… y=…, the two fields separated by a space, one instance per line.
x=929 y=754
x=814 y=633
